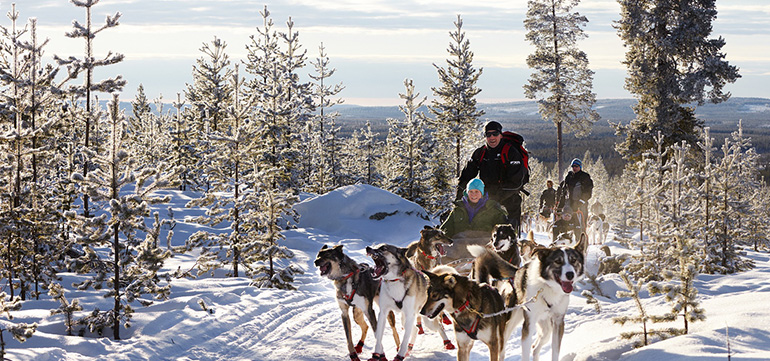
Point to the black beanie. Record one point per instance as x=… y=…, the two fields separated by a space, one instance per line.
x=493 y=125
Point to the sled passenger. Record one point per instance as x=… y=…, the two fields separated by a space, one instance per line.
x=575 y=191
x=474 y=211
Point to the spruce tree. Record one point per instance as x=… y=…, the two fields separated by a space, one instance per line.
x=22 y=331
x=671 y=62
x=561 y=69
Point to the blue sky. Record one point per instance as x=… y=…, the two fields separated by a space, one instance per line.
x=374 y=44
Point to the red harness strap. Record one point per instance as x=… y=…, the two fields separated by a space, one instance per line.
x=475 y=325
x=349 y=299
x=427 y=255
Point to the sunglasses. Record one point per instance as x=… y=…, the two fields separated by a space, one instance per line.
x=492 y=134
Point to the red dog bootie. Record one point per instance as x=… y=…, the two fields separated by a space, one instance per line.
x=378 y=357
x=359 y=347
x=448 y=345
x=420 y=331
x=354 y=357
x=398 y=358
x=445 y=319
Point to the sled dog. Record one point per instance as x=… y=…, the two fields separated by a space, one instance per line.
x=548 y=280
x=356 y=289
x=505 y=245
x=402 y=289
x=425 y=254
x=597 y=229
x=527 y=247
x=467 y=302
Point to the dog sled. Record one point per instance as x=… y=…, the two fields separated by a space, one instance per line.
x=458 y=256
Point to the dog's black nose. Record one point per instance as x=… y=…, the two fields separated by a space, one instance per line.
x=570 y=275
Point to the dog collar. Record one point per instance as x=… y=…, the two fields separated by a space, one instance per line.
x=427 y=255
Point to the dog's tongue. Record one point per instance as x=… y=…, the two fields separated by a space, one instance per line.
x=566 y=286
x=441 y=250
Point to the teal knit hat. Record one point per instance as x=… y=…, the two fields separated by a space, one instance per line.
x=475 y=183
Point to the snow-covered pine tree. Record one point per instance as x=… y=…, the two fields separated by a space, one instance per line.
x=759 y=230
x=210 y=92
x=87 y=65
x=726 y=232
x=299 y=97
x=561 y=69
x=405 y=149
x=680 y=216
x=184 y=154
x=29 y=102
x=643 y=317
x=268 y=261
x=66 y=307
x=132 y=266
x=228 y=200
x=671 y=62
x=22 y=331
x=368 y=153
x=454 y=107
x=320 y=162
x=149 y=133
x=273 y=109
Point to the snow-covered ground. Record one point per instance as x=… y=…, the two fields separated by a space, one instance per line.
x=216 y=318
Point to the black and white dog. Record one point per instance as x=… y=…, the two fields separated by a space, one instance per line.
x=548 y=279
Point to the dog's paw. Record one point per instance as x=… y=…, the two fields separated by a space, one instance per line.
x=445 y=319
x=378 y=357
x=359 y=347
x=420 y=331
x=354 y=357
x=448 y=345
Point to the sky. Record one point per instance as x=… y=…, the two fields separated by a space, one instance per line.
x=224 y=318
x=374 y=44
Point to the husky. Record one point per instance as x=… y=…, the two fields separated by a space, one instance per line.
x=356 y=289
x=468 y=302
x=425 y=254
x=527 y=247
x=597 y=229
x=547 y=280
x=505 y=244
x=402 y=289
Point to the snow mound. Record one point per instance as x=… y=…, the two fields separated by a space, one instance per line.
x=365 y=211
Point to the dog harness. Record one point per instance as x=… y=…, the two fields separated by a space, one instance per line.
x=400 y=304
x=474 y=329
x=349 y=299
x=427 y=255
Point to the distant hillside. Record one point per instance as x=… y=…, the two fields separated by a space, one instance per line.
x=522 y=117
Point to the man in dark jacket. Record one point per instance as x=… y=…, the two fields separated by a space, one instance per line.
x=503 y=181
x=576 y=190
x=547 y=200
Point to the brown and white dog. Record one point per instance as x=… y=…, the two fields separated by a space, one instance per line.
x=548 y=279
x=425 y=254
x=356 y=289
x=505 y=244
x=468 y=302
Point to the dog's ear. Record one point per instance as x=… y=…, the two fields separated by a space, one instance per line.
x=450 y=280
x=324 y=247
x=427 y=227
x=582 y=245
x=541 y=253
x=412 y=249
x=338 y=248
